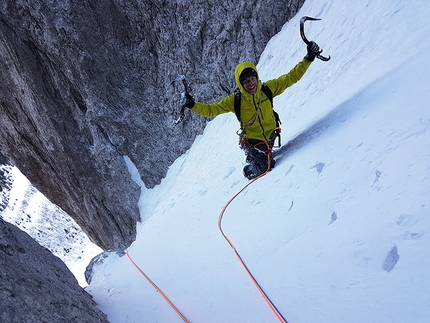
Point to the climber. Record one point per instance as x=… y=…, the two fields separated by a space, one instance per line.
x=259 y=124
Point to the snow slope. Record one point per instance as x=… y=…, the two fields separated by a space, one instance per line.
x=339 y=231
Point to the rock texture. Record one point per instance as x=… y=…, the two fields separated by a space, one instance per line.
x=84 y=83
x=36 y=286
x=5 y=182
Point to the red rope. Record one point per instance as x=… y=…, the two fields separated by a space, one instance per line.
x=257 y=285
x=156 y=288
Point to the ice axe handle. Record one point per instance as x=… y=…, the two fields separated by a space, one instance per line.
x=187 y=91
x=187 y=88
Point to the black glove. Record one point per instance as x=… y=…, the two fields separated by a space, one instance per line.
x=313 y=51
x=189 y=103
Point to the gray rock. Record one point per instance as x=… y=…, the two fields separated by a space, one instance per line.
x=6 y=181
x=85 y=83
x=36 y=286
x=98 y=260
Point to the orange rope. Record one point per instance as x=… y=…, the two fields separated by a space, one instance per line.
x=266 y=298
x=156 y=288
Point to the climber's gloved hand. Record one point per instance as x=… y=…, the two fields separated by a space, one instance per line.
x=313 y=51
x=189 y=101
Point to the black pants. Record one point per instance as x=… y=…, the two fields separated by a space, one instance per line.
x=259 y=154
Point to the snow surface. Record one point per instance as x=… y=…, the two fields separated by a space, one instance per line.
x=339 y=231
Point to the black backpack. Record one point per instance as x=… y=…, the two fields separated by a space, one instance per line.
x=268 y=92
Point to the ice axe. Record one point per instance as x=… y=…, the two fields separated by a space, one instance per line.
x=302 y=33
x=183 y=97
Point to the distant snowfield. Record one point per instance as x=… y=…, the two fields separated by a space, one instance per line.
x=50 y=226
x=339 y=230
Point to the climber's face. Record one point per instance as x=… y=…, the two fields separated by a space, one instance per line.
x=250 y=84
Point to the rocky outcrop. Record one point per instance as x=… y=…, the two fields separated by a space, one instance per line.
x=85 y=83
x=36 y=286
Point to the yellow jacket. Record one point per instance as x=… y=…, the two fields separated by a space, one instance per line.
x=254 y=126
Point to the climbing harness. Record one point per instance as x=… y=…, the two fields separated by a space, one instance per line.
x=242 y=262
x=156 y=287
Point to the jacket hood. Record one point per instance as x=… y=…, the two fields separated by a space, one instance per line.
x=239 y=69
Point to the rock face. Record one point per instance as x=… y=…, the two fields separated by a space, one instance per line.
x=5 y=182
x=84 y=83
x=36 y=286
